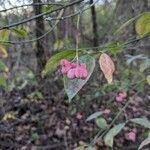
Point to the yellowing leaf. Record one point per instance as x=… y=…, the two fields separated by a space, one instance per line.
x=107 y=66
x=3 y=81
x=10 y=115
x=145 y=65
x=3 y=52
x=4 y=34
x=4 y=37
x=148 y=79
x=142 y=25
x=58 y=44
x=80 y=148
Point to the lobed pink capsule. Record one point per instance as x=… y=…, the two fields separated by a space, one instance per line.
x=119 y=99
x=65 y=69
x=73 y=70
x=123 y=94
x=131 y=136
x=64 y=62
x=107 y=111
x=71 y=74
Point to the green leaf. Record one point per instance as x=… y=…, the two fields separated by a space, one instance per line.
x=142 y=25
x=109 y=137
x=94 y=115
x=36 y=94
x=3 y=67
x=145 y=142
x=19 y=32
x=47 y=8
x=141 y=121
x=148 y=79
x=72 y=87
x=23 y=85
x=35 y=136
x=101 y=123
x=115 y=48
x=3 y=81
x=53 y=62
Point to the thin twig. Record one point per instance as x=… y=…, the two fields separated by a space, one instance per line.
x=40 y=37
x=36 y=39
x=32 y=4
x=77 y=39
x=74 y=14
x=57 y=18
x=42 y=14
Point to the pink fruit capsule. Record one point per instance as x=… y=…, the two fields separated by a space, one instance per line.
x=63 y=70
x=64 y=62
x=74 y=65
x=131 y=136
x=84 y=73
x=73 y=70
x=78 y=72
x=81 y=72
x=123 y=94
x=83 y=66
x=107 y=111
x=71 y=74
x=119 y=99
x=79 y=115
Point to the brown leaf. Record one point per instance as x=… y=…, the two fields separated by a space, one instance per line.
x=107 y=66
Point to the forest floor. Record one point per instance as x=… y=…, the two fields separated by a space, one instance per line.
x=48 y=124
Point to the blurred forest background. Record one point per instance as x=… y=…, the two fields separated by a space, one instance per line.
x=34 y=111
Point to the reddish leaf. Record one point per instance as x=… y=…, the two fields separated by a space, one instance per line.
x=107 y=66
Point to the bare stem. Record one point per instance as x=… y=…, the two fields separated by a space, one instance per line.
x=77 y=38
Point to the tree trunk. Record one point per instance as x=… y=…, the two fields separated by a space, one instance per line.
x=95 y=34
x=39 y=30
